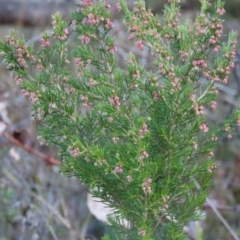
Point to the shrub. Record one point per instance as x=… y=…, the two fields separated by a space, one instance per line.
x=138 y=137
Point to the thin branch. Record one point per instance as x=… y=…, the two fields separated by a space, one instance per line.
x=219 y=215
x=50 y=160
x=221 y=218
x=206 y=206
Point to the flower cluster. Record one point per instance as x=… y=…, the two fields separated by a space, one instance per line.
x=115 y=101
x=118 y=169
x=85 y=39
x=143 y=130
x=74 y=151
x=61 y=32
x=45 y=42
x=30 y=95
x=22 y=52
x=204 y=127
x=146 y=186
x=143 y=155
x=86 y=3
x=199 y=109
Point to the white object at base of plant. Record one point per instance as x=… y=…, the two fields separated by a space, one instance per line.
x=3 y=113
x=3 y=126
x=102 y=211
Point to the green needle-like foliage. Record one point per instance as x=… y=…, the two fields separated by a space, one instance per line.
x=139 y=138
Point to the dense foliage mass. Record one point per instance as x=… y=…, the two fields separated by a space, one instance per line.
x=139 y=138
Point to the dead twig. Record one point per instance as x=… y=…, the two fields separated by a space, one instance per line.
x=206 y=206
x=213 y=206
x=50 y=160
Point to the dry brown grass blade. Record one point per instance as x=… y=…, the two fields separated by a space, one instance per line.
x=49 y=160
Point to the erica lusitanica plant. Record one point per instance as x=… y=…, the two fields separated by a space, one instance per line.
x=138 y=137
